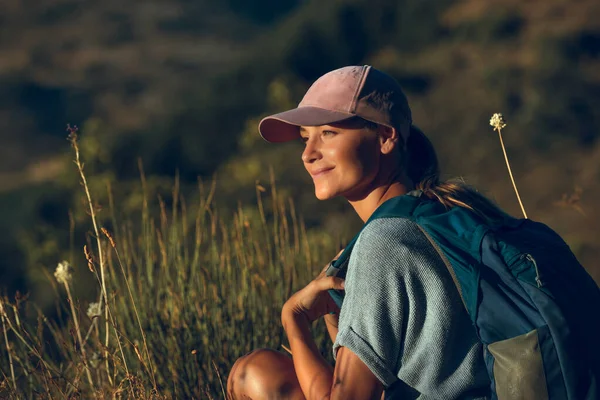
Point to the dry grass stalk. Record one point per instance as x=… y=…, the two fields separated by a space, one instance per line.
x=220 y=380
x=111 y=318
x=88 y=257
x=286 y=349
x=8 y=349
x=79 y=337
x=135 y=310
x=73 y=139
x=498 y=122
x=33 y=350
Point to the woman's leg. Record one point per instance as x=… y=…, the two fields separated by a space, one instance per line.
x=263 y=374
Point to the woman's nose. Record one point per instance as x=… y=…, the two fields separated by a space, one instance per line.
x=311 y=152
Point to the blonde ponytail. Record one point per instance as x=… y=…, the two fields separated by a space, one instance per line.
x=423 y=169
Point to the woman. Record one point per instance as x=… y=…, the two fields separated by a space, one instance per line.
x=402 y=328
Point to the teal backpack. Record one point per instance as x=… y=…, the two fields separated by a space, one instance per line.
x=534 y=307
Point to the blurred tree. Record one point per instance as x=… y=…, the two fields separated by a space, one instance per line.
x=262 y=11
x=183 y=84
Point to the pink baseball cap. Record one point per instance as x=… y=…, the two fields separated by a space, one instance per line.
x=354 y=91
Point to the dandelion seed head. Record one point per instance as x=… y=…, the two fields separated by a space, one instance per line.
x=94 y=310
x=498 y=121
x=63 y=272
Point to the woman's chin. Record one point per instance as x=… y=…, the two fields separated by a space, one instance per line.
x=323 y=194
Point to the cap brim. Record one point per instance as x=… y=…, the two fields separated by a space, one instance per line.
x=283 y=127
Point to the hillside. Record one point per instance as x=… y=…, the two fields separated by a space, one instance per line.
x=163 y=80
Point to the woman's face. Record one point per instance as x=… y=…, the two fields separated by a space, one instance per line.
x=342 y=158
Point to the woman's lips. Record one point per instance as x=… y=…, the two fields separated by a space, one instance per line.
x=320 y=172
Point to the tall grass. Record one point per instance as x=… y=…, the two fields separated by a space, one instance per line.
x=182 y=293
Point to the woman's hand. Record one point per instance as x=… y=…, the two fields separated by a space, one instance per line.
x=313 y=301
x=315 y=375
x=332 y=320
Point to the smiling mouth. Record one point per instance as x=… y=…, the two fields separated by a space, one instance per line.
x=320 y=172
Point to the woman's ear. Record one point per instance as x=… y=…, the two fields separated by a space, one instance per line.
x=388 y=138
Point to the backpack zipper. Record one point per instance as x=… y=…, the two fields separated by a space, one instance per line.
x=530 y=258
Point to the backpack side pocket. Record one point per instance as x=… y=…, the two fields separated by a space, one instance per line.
x=518 y=368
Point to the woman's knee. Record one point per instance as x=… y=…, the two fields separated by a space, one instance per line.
x=263 y=373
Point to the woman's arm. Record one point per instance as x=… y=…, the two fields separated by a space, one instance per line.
x=352 y=379
x=331 y=322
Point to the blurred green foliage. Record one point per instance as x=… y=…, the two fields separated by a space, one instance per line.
x=182 y=85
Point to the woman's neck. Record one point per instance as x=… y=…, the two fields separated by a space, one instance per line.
x=366 y=206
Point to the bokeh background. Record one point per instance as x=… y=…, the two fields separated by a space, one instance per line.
x=178 y=87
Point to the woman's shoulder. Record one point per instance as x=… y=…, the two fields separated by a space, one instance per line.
x=392 y=247
x=389 y=234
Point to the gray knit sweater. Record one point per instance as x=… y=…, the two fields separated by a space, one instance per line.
x=403 y=317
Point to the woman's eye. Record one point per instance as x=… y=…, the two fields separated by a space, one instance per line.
x=328 y=133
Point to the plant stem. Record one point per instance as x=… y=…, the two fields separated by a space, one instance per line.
x=35 y=352
x=286 y=349
x=81 y=345
x=510 y=172
x=114 y=325
x=138 y=318
x=99 y=244
x=10 y=361
x=220 y=380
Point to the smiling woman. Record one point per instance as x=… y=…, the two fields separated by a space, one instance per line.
x=399 y=326
x=359 y=141
x=340 y=156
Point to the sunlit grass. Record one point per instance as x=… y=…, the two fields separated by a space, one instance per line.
x=182 y=294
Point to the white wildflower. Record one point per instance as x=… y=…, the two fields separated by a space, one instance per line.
x=95 y=360
x=63 y=272
x=498 y=121
x=94 y=310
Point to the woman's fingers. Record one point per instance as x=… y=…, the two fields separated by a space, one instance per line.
x=338 y=283
x=324 y=270
x=329 y=282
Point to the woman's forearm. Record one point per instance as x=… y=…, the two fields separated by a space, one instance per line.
x=331 y=322
x=314 y=373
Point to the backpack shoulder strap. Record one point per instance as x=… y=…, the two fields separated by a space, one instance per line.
x=399 y=207
x=431 y=216
x=447 y=264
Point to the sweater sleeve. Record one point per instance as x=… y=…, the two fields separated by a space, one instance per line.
x=402 y=315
